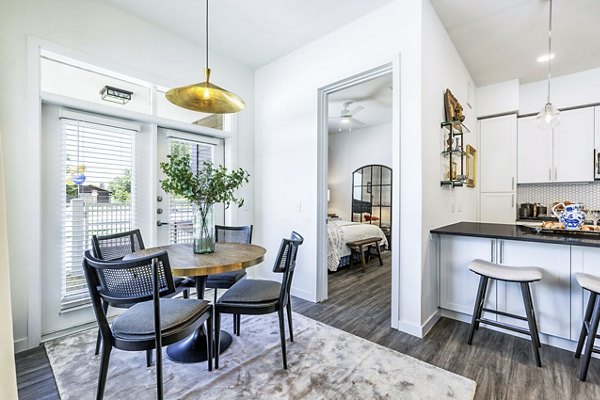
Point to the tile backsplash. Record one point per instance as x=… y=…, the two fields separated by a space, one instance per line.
x=546 y=194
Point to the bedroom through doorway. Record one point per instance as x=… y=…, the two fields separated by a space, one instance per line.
x=359 y=197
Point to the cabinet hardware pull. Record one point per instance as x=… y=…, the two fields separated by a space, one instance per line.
x=512 y=204
x=549 y=174
x=501 y=251
x=555 y=173
x=493 y=245
x=512 y=185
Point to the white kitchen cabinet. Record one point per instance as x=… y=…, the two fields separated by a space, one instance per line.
x=534 y=152
x=498 y=153
x=574 y=146
x=551 y=295
x=583 y=259
x=564 y=154
x=458 y=285
x=597 y=127
x=498 y=208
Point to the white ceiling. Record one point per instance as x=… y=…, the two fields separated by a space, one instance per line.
x=500 y=40
x=255 y=32
x=374 y=95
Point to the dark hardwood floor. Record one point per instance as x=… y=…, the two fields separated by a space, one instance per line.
x=501 y=364
x=359 y=303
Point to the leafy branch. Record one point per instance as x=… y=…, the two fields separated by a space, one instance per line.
x=213 y=184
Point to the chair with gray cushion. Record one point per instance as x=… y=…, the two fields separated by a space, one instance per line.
x=229 y=234
x=255 y=297
x=154 y=320
x=591 y=320
x=521 y=275
x=113 y=248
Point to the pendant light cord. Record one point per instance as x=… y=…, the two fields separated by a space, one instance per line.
x=207 y=33
x=549 y=50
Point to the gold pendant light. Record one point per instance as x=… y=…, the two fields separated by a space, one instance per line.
x=206 y=97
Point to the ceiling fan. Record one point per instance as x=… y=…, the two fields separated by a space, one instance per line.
x=347 y=120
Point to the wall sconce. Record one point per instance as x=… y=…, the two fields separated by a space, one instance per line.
x=115 y=95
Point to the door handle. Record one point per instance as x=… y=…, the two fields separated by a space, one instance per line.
x=501 y=251
x=492 y=250
x=160 y=223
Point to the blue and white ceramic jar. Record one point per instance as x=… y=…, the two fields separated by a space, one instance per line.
x=572 y=217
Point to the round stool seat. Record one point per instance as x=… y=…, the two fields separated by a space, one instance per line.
x=505 y=272
x=589 y=282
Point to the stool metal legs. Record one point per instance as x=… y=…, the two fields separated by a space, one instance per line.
x=533 y=332
x=590 y=329
x=531 y=321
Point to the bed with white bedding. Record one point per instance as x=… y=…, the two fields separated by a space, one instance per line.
x=340 y=232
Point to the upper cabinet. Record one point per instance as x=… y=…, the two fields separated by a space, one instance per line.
x=498 y=154
x=564 y=154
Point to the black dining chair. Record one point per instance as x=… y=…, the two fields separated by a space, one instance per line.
x=256 y=297
x=229 y=234
x=114 y=247
x=154 y=320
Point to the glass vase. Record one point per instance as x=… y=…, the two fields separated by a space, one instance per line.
x=204 y=228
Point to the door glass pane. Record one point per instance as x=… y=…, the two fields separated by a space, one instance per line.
x=181 y=212
x=99 y=193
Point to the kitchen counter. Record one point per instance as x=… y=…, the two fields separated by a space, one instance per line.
x=519 y=233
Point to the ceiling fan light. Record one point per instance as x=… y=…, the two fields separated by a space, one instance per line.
x=548 y=118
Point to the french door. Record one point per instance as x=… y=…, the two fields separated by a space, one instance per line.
x=174 y=214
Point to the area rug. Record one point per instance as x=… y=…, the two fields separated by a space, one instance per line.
x=323 y=363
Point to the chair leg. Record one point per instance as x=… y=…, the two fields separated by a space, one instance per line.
x=238 y=320
x=282 y=336
x=186 y=293
x=106 y=349
x=531 y=322
x=209 y=342
x=587 y=318
x=99 y=339
x=535 y=326
x=217 y=344
x=159 y=374
x=589 y=345
x=479 y=300
x=289 y=315
x=149 y=358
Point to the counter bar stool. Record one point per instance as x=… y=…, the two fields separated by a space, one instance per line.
x=591 y=319
x=521 y=275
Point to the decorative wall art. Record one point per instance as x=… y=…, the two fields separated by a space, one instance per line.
x=471 y=161
x=454 y=110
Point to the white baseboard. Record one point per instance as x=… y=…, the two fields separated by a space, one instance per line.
x=304 y=294
x=20 y=345
x=431 y=321
x=410 y=328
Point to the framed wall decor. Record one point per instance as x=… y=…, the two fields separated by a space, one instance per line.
x=471 y=161
x=454 y=111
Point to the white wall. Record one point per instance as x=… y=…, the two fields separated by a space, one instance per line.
x=106 y=36
x=498 y=98
x=349 y=151
x=442 y=68
x=286 y=136
x=571 y=90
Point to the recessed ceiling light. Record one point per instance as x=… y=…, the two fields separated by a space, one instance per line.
x=545 y=58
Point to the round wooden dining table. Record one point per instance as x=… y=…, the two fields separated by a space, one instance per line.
x=227 y=257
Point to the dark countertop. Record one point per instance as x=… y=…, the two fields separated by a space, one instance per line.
x=517 y=232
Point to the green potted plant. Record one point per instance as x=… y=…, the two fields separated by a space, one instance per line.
x=213 y=184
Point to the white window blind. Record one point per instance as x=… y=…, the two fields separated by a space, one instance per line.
x=97 y=194
x=180 y=216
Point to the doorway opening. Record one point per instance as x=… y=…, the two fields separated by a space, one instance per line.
x=356 y=169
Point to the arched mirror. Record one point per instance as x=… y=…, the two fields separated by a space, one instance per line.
x=372 y=196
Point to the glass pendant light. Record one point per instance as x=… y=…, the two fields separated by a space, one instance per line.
x=206 y=97
x=549 y=117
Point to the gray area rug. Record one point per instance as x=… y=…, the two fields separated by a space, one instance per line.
x=324 y=363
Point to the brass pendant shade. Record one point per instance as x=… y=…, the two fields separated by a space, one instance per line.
x=204 y=96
